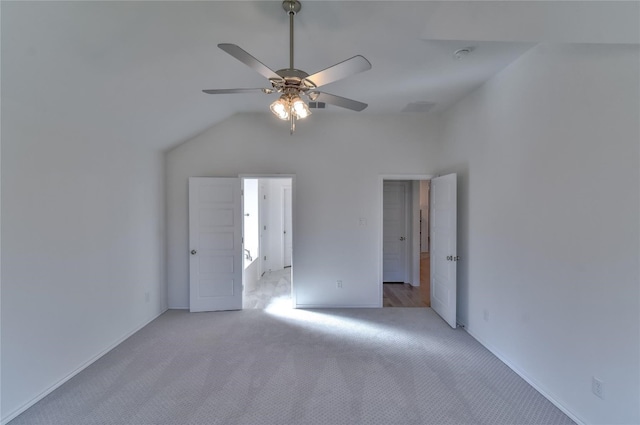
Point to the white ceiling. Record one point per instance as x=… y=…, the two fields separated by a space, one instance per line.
x=134 y=71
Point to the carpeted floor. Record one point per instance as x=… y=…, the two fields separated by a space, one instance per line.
x=284 y=366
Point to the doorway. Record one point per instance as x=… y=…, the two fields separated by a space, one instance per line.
x=268 y=242
x=405 y=242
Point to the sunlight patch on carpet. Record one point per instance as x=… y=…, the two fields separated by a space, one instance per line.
x=352 y=328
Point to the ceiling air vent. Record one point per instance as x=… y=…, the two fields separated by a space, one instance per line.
x=317 y=105
x=418 y=107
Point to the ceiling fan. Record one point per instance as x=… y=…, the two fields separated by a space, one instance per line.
x=294 y=84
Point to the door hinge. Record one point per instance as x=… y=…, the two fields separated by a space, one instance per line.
x=265 y=258
x=264 y=196
x=264 y=227
x=242 y=192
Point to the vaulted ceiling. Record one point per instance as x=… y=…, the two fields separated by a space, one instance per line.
x=134 y=71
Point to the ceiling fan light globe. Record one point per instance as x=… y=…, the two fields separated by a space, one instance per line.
x=280 y=109
x=301 y=109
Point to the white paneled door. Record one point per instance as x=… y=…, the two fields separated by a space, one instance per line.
x=394 y=237
x=443 y=247
x=215 y=244
x=286 y=226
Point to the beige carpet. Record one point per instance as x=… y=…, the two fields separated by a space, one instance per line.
x=283 y=366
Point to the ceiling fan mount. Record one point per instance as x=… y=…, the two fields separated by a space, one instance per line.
x=291 y=6
x=292 y=83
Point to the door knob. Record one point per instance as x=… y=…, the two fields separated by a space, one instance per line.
x=193 y=252
x=402 y=238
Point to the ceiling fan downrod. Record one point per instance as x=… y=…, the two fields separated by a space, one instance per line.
x=291 y=7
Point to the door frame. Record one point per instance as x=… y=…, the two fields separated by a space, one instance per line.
x=413 y=260
x=292 y=177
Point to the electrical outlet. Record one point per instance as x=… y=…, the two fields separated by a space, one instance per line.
x=597 y=387
x=339 y=283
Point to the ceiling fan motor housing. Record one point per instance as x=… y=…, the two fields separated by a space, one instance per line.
x=292 y=79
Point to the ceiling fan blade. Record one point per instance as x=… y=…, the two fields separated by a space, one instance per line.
x=339 y=71
x=342 y=102
x=249 y=60
x=230 y=91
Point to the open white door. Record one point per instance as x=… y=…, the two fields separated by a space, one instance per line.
x=287 y=226
x=443 y=247
x=215 y=244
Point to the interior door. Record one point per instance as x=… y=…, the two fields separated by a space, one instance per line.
x=394 y=243
x=286 y=226
x=215 y=244
x=262 y=227
x=443 y=247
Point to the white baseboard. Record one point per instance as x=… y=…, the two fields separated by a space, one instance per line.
x=546 y=393
x=337 y=306
x=86 y=364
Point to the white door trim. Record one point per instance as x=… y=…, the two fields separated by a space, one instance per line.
x=381 y=179
x=293 y=221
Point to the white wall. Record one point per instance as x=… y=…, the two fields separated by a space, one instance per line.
x=272 y=210
x=547 y=153
x=337 y=160
x=82 y=245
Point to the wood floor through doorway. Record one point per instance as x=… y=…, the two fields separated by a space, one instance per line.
x=405 y=295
